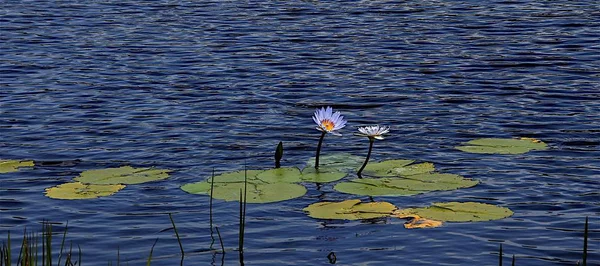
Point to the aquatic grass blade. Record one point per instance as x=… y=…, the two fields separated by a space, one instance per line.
x=60 y=254
x=151 y=251
x=210 y=208
x=500 y=256
x=585 y=242
x=220 y=240
x=178 y=239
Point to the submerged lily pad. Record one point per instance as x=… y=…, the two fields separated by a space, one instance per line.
x=404 y=186
x=257 y=193
x=7 y=166
x=458 y=212
x=336 y=162
x=349 y=210
x=502 y=146
x=397 y=168
x=122 y=175
x=78 y=190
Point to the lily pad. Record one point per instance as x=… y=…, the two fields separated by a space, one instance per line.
x=321 y=176
x=458 y=212
x=122 y=175
x=7 y=166
x=349 y=210
x=238 y=176
x=257 y=193
x=336 y=162
x=404 y=186
x=280 y=175
x=78 y=190
x=502 y=146
x=397 y=168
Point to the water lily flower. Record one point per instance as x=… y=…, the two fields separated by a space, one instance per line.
x=327 y=122
x=373 y=133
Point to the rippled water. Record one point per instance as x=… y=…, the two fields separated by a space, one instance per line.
x=197 y=85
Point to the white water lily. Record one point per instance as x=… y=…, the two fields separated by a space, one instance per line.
x=375 y=132
x=327 y=121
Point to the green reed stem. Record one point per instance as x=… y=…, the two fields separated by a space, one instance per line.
x=178 y=239
x=62 y=244
x=513 y=260
x=585 y=242
x=220 y=240
x=359 y=173
x=319 y=150
x=500 y=256
x=150 y=256
x=210 y=208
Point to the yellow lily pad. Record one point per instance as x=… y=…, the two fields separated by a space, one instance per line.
x=349 y=210
x=502 y=146
x=404 y=186
x=7 y=166
x=256 y=193
x=458 y=212
x=78 y=190
x=397 y=168
x=122 y=175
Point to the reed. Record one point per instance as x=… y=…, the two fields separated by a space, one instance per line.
x=151 y=252
x=243 y=197
x=178 y=239
x=29 y=253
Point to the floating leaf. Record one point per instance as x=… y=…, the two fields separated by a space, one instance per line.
x=458 y=212
x=349 y=210
x=238 y=176
x=321 y=176
x=122 y=175
x=284 y=175
x=502 y=146
x=337 y=162
x=7 y=166
x=397 y=168
x=78 y=190
x=404 y=186
x=257 y=193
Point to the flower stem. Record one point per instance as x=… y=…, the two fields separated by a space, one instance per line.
x=319 y=150
x=359 y=173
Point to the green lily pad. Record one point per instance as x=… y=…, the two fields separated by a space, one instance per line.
x=321 y=176
x=397 y=168
x=502 y=146
x=78 y=190
x=257 y=193
x=283 y=175
x=238 y=176
x=350 y=210
x=336 y=162
x=122 y=175
x=7 y=166
x=404 y=186
x=459 y=212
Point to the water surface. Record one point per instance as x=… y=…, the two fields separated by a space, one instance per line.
x=196 y=86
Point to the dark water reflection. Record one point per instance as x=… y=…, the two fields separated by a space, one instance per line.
x=195 y=85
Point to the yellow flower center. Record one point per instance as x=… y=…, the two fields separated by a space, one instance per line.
x=327 y=124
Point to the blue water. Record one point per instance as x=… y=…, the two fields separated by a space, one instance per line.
x=196 y=85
